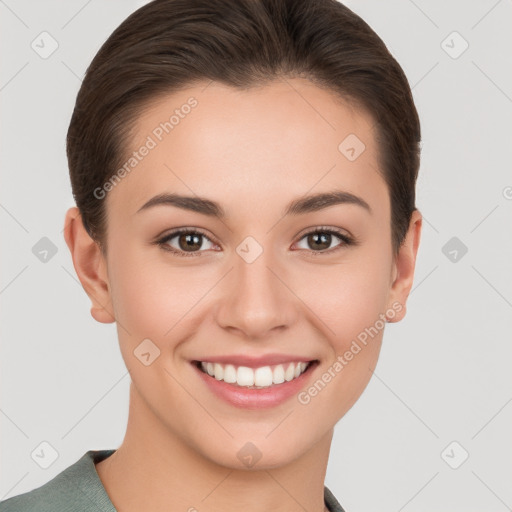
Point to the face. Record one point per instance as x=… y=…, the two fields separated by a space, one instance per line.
x=273 y=285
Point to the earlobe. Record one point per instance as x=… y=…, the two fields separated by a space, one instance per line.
x=90 y=266
x=405 y=263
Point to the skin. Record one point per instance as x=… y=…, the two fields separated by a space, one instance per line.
x=253 y=152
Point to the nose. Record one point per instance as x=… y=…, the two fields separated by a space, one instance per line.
x=257 y=300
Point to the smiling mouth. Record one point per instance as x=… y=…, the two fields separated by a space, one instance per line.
x=255 y=378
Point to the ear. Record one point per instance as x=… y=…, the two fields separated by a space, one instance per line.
x=90 y=266
x=403 y=268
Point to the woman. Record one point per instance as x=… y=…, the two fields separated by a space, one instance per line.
x=244 y=173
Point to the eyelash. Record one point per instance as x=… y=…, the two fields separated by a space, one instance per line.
x=162 y=242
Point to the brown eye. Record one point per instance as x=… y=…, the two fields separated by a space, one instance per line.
x=320 y=240
x=188 y=242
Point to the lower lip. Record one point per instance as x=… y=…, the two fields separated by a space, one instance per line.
x=246 y=398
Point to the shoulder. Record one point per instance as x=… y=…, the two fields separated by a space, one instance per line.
x=49 y=496
x=54 y=495
x=76 y=488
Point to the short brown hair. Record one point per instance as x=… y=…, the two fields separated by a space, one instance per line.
x=171 y=44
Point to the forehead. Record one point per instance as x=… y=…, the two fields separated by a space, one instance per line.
x=258 y=145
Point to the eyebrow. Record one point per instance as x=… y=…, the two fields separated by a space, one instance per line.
x=301 y=206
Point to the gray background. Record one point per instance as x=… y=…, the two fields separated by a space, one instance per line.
x=444 y=372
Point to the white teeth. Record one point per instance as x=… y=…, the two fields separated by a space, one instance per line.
x=219 y=371
x=229 y=374
x=262 y=377
x=278 y=375
x=245 y=376
x=289 y=373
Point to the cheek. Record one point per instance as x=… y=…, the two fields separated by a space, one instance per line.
x=349 y=297
x=347 y=305
x=158 y=298
x=146 y=294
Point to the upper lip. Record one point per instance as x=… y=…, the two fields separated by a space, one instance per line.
x=256 y=362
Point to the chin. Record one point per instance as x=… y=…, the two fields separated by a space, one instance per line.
x=257 y=451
